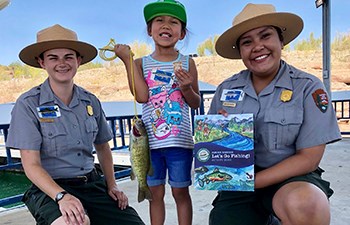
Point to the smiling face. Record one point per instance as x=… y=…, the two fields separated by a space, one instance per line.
x=261 y=50
x=61 y=65
x=166 y=31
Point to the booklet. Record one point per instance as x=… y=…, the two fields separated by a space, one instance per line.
x=224 y=152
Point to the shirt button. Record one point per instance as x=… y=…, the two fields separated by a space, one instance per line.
x=74 y=126
x=79 y=154
x=78 y=142
x=50 y=134
x=283 y=121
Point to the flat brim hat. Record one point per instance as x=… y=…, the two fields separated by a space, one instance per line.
x=165 y=8
x=56 y=37
x=4 y=3
x=254 y=16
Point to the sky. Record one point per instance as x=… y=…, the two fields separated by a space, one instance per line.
x=96 y=21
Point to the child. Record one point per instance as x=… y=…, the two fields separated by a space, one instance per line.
x=166 y=82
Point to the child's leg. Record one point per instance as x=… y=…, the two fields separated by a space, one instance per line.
x=179 y=162
x=157 y=205
x=183 y=205
x=156 y=183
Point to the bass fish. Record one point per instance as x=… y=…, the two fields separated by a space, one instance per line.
x=140 y=158
x=215 y=176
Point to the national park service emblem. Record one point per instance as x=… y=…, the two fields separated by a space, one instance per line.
x=321 y=99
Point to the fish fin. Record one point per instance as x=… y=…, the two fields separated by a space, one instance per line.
x=144 y=193
x=132 y=175
x=150 y=171
x=200 y=182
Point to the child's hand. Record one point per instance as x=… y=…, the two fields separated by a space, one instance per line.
x=122 y=51
x=184 y=79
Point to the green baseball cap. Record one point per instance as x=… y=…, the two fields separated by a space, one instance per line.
x=165 y=7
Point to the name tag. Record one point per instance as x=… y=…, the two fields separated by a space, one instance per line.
x=230 y=95
x=48 y=112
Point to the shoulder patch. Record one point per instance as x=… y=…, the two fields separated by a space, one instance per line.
x=321 y=99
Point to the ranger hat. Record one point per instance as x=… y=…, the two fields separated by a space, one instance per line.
x=56 y=37
x=254 y=16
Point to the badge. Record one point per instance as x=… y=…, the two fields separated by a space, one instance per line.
x=49 y=112
x=321 y=99
x=286 y=95
x=229 y=104
x=89 y=110
x=230 y=95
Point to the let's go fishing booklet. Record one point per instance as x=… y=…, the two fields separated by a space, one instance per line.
x=224 y=152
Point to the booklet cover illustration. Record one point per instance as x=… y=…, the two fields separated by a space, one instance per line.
x=224 y=152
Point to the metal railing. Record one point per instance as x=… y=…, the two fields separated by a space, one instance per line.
x=121 y=124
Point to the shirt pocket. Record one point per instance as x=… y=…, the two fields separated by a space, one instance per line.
x=91 y=129
x=282 y=127
x=55 y=139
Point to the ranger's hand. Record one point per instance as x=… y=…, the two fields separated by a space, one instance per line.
x=72 y=210
x=119 y=196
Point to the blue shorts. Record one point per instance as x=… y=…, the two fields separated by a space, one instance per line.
x=178 y=163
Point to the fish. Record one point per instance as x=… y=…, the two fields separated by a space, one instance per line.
x=215 y=176
x=140 y=158
x=201 y=170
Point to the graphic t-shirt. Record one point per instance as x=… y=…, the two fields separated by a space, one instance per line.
x=166 y=114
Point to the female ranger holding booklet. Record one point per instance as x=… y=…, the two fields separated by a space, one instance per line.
x=294 y=121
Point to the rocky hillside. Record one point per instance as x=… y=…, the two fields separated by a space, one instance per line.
x=110 y=84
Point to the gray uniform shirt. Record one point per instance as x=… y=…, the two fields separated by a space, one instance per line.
x=64 y=135
x=292 y=113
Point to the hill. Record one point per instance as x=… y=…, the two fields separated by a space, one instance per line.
x=109 y=83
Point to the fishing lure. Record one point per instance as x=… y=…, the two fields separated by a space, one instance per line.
x=109 y=48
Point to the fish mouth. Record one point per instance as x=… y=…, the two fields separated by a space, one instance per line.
x=136 y=132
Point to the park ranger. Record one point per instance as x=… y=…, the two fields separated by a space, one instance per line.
x=293 y=122
x=56 y=126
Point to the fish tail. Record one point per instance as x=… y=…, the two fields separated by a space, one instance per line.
x=132 y=175
x=144 y=193
x=200 y=182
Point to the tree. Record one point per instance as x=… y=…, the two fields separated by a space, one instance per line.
x=140 y=49
x=208 y=46
x=310 y=44
x=341 y=42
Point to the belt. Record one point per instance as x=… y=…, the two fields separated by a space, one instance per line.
x=80 y=180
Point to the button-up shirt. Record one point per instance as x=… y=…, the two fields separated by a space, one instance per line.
x=63 y=134
x=293 y=112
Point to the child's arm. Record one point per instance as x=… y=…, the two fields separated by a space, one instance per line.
x=188 y=82
x=141 y=88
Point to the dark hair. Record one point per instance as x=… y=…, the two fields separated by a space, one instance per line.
x=279 y=32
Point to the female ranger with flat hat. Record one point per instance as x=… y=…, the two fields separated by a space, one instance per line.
x=294 y=121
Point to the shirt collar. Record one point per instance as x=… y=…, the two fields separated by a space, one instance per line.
x=283 y=78
x=47 y=95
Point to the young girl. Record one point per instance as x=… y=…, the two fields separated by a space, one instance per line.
x=166 y=82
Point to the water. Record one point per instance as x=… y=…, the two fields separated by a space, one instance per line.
x=13 y=183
